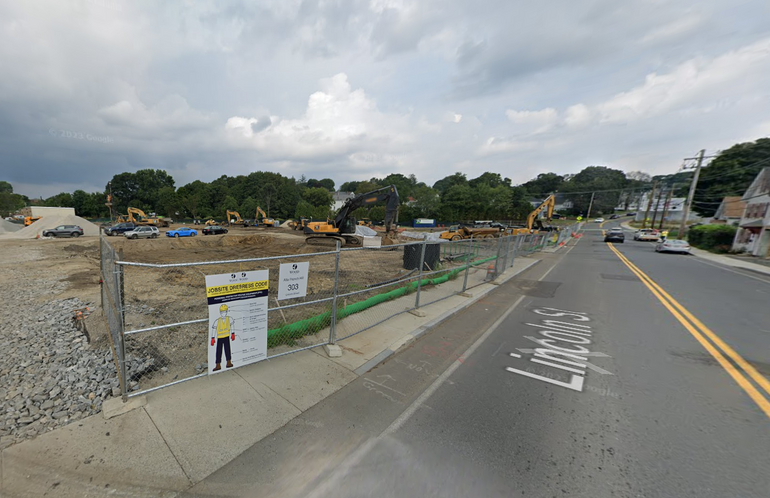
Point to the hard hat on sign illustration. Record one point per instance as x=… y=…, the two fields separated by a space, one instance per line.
x=223 y=307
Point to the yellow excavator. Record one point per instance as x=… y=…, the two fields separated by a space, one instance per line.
x=343 y=227
x=211 y=222
x=268 y=222
x=137 y=217
x=233 y=218
x=28 y=220
x=533 y=222
x=299 y=224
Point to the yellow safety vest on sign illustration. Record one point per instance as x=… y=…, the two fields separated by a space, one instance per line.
x=223 y=327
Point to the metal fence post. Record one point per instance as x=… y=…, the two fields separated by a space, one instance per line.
x=498 y=257
x=333 y=324
x=419 y=278
x=467 y=264
x=119 y=281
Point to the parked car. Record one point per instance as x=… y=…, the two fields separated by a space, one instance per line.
x=119 y=229
x=614 y=216
x=599 y=220
x=673 y=245
x=182 y=232
x=647 y=234
x=147 y=232
x=630 y=214
x=615 y=235
x=214 y=230
x=63 y=231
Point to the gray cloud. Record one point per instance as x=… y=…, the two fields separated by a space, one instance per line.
x=351 y=89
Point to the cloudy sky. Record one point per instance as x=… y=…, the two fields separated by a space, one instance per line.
x=352 y=89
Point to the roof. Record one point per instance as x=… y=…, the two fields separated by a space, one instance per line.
x=731 y=207
x=760 y=185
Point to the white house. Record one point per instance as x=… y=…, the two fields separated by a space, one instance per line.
x=340 y=198
x=674 y=210
x=754 y=233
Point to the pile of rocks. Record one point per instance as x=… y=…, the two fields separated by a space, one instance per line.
x=50 y=374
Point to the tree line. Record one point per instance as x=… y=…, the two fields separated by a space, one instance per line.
x=452 y=198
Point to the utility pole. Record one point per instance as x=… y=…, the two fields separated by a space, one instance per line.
x=590 y=204
x=666 y=205
x=691 y=194
x=657 y=204
x=649 y=204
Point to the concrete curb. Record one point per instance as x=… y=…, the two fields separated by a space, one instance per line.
x=419 y=332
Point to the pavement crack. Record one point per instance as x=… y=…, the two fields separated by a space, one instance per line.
x=169 y=447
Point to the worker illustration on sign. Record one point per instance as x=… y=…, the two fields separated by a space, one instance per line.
x=222 y=332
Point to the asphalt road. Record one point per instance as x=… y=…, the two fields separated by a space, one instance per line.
x=475 y=409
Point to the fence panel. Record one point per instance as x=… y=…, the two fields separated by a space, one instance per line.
x=111 y=302
x=167 y=323
x=391 y=279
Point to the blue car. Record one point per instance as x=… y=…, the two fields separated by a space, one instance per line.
x=182 y=232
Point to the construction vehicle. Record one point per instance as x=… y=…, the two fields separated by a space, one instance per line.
x=343 y=227
x=366 y=223
x=268 y=222
x=211 y=222
x=459 y=232
x=299 y=224
x=233 y=218
x=137 y=217
x=28 y=220
x=534 y=222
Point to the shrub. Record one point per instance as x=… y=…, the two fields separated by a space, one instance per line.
x=716 y=238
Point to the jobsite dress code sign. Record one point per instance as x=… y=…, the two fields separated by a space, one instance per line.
x=292 y=280
x=237 y=328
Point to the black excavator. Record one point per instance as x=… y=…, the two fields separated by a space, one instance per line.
x=343 y=227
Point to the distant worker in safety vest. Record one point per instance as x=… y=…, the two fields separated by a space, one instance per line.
x=663 y=235
x=223 y=329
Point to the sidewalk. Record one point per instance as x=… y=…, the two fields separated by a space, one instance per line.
x=181 y=434
x=730 y=261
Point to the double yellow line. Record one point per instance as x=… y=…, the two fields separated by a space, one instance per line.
x=709 y=340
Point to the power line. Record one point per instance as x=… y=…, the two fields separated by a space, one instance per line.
x=739 y=168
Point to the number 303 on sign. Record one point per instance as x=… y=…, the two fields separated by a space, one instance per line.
x=292 y=280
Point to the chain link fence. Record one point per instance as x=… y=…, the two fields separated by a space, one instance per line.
x=158 y=313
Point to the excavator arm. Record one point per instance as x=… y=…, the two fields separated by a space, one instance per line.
x=388 y=194
x=549 y=203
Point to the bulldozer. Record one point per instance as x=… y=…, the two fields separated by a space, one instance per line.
x=137 y=217
x=268 y=222
x=211 y=222
x=233 y=218
x=343 y=227
x=28 y=220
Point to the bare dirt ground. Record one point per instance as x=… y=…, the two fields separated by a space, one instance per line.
x=158 y=296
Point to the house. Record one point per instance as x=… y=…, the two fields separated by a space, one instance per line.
x=729 y=211
x=657 y=205
x=753 y=235
x=340 y=198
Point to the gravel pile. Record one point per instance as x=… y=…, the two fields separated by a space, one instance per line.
x=50 y=375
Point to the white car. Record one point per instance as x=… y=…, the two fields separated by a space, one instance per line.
x=599 y=220
x=647 y=234
x=673 y=245
x=145 y=232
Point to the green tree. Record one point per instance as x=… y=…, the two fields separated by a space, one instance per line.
x=545 y=183
x=349 y=186
x=447 y=182
x=5 y=187
x=730 y=173
x=10 y=203
x=318 y=197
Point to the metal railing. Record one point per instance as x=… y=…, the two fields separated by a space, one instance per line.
x=157 y=314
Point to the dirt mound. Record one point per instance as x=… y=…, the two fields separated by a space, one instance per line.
x=49 y=222
x=251 y=240
x=7 y=227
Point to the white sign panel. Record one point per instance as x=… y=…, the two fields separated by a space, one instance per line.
x=237 y=330
x=292 y=280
